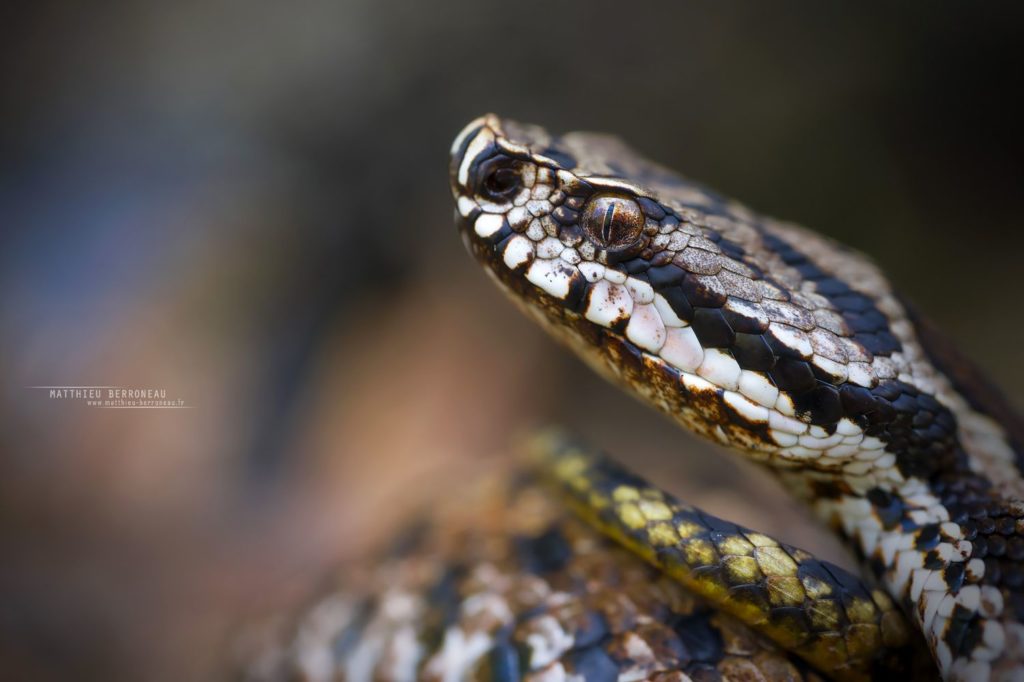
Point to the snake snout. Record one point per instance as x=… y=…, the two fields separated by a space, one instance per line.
x=475 y=143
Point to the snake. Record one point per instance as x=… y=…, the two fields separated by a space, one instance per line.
x=770 y=340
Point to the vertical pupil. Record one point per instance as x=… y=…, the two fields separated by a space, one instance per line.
x=612 y=221
x=609 y=218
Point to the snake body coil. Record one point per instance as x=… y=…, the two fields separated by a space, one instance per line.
x=764 y=337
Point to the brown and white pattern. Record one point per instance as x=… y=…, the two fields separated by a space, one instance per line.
x=775 y=341
x=503 y=583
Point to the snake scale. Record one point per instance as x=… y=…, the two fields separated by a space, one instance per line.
x=760 y=335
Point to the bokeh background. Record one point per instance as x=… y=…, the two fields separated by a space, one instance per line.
x=245 y=203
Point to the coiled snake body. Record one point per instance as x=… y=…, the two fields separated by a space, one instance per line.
x=764 y=337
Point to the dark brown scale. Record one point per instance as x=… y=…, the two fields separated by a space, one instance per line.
x=753 y=352
x=958 y=629
x=677 y=300
x=651 y=209
x=699 y=295
x=933 y=561
x=792 y=376
x=869 y=322
x=637 y=267
x=954 y=576
x=880 y=343
x=712 y=329
x=881 y=416
x=822 y=403
x=888 y=507
x=927 y=537
x=665 y=276
x=856 y=400
x=565 y=216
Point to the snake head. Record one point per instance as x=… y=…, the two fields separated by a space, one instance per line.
x=758 y=334
x=512 y=179
x=561 y=214
x=575 y=229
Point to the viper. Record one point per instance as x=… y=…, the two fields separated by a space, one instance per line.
x=772 y=341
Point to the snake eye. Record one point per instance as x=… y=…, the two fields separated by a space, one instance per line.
x=612 y=222
x=501 y=181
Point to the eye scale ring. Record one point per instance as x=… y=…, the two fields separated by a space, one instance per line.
x=612 y=221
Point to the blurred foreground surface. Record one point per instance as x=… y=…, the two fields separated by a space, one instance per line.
x=245 y=204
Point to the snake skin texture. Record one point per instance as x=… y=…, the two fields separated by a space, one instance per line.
x=813 y=608
x=503 y=583
x=776 y=342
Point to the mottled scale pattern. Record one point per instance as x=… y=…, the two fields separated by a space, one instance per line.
x=813 y=608
x=777 y=343
x=502 y=583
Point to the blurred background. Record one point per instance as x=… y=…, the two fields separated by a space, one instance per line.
x=245 y=204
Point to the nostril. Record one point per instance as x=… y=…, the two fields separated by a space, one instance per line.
x=499 y=179
x=501 y=182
